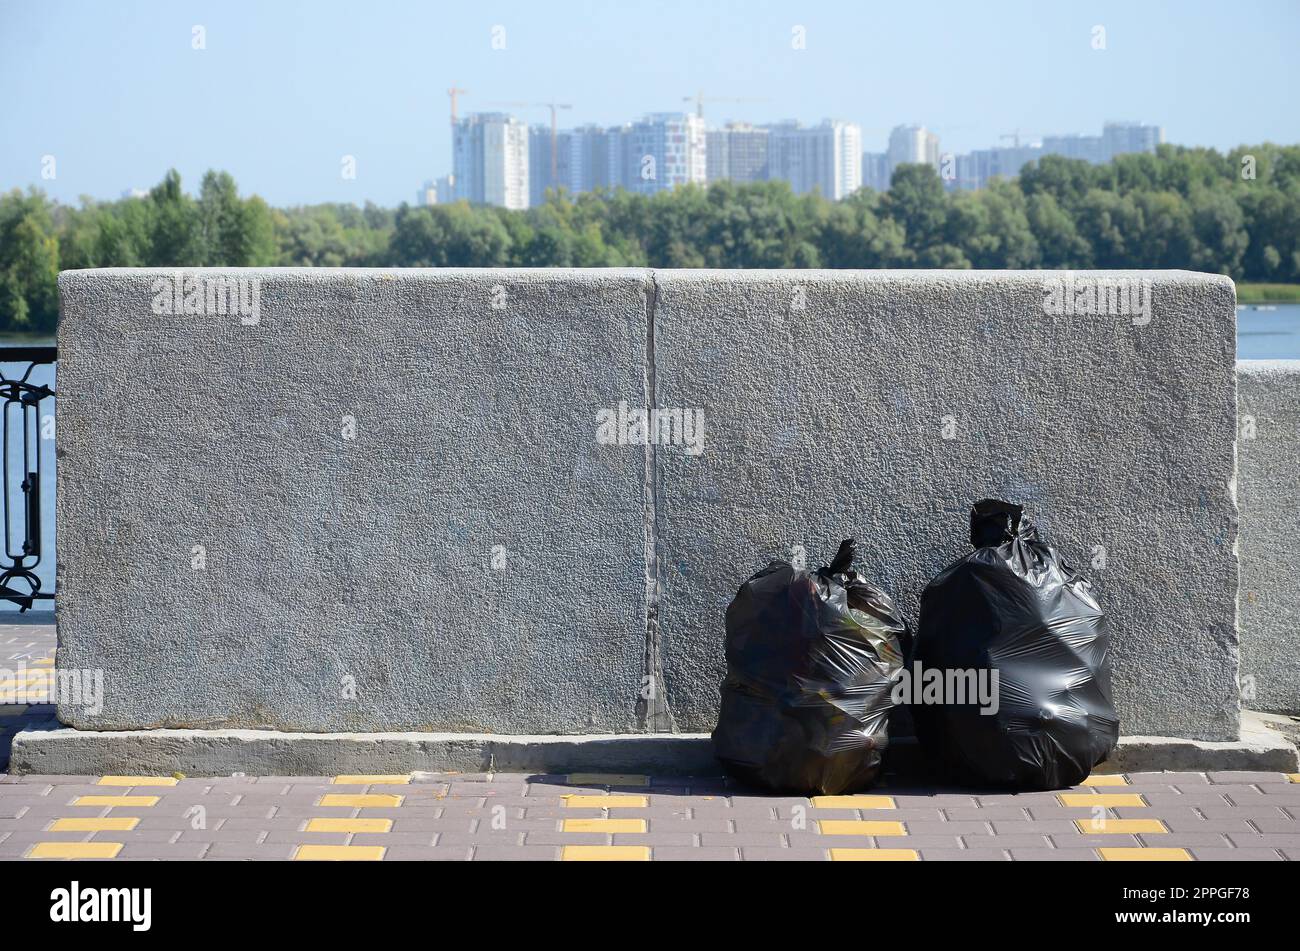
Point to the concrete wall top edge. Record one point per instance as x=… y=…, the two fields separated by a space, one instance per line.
x=1268 y=367
x=919 y=274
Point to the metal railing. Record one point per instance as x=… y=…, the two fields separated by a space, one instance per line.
x=19 y=582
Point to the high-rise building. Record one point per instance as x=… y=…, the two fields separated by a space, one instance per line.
x=490 y=158
x=597 y=158
x=826 y=158
x=539 y=163
x=1075 y=146
x=875 y=171
x=427 y=194
x=663 y=150
x=737 y=152
x=912 y=145
x=1121 y=138
x=978 y=168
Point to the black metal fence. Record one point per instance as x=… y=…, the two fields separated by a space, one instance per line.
x=28 y=533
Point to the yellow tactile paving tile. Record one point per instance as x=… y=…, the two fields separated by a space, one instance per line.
x=1294 y=777
x=859 y=827
x=136 y=802
x=96 y=824
x=137 y=781
x=605 y=853
x=1102 y=800
x=361 y=800
x=338 y=853
x=355 y=779
x=604 y=825
x=1120 y=826
x=607 y=779
x=43 y=662
x=874 y=855
x=853 y=802
x=350 y=825
x=1144 y=855
x=605 y=802
x=75 y=850
x=1112 y=779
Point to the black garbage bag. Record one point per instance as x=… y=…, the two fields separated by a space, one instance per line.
x=1015 y=614
x=812 y=661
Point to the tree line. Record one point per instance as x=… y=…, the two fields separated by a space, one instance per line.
x=1236 y=214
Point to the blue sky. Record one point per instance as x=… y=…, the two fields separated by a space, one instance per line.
x=283 y=90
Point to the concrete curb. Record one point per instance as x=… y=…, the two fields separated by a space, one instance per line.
x=60 y=751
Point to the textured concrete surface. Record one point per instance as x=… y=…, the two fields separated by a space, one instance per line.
x=350 y=584
x=43 y=747
x=829 y=421
x=1268 y=491
x=1253 y=816
x=336 y=566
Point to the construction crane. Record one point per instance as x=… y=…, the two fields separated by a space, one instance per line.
x=554 y=107
x=700 y=99
x=454 y=92
x=1013 y=136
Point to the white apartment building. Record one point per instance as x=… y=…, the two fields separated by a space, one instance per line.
x=490 y=157
x=826 y=158
x=665 y=149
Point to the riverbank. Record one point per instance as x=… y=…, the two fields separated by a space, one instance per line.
x=1248 y=293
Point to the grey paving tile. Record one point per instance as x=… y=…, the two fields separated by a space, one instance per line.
x=1238 y=855
x=963 y=855
x=698 y=854
x=755 y=853
x=1054 y=855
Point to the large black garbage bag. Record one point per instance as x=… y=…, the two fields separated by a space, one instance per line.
x=1013 y=608
x=812 y=661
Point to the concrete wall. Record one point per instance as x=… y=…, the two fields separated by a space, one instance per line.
x=1268 y=491
x=350 y=584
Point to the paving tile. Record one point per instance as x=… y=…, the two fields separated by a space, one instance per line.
x=914 y=842
x=1203 y=854
x=759 y=853
x=1271 y=841
x=74 y=850
x=238 y=851
x=1054 y=855
x=146 y=851
x=1245 y=778
x=962 y=855
x=526 y=853
x=1113 y=854
x=697 y=854
x=653 y=839
x=1022 y=841
x=339 y=853
x=1184 y=840
x=605 y=853
x=1080 y=841
x=874 y=855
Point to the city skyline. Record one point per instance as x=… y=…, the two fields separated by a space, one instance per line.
x=281 y=95
x=498 y=159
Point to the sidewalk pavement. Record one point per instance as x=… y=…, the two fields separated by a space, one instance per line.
x=584 y=817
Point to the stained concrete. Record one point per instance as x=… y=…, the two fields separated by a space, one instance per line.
x=231 y=560
x=349 y=584
x=1268 y=492
x=828 y=397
